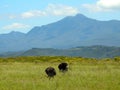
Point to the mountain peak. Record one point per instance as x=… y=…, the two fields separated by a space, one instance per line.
x=77 y=17
x=80 y=15
x=15 y=32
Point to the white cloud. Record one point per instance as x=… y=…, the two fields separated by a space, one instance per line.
x=109 y=4
x=12 y=16
x=93 y=7
x=33 y=13
x=51 y=9
x=61 y=10
x=15 y=26
x=104 y=5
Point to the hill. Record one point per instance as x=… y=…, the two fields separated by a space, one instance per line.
x=88 y=51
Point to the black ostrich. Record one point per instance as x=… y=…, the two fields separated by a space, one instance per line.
x=50 y=71
x=63 y=67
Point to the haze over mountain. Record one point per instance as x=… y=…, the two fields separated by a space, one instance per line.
x=69 y=32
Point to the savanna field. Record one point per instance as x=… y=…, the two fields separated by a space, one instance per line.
x=28 y=73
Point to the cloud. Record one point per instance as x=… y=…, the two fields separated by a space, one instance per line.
x=51 y=9
x=104 y=5
x=15 y=26
x=61 y=10
x=12 y=16
x=93 y=7
x=109 y=4
x=33 y=13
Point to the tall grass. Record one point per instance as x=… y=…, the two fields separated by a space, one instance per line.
x=82 y=75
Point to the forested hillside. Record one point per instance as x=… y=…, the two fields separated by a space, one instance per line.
x=97 y=51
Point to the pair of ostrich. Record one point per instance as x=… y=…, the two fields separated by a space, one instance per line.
x=51 y=72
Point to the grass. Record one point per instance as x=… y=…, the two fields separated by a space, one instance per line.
x=82 y=75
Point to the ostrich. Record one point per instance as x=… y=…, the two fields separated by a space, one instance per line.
x=50 y=71
x=63 y=67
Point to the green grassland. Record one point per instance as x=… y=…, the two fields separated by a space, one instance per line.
x=27 y=73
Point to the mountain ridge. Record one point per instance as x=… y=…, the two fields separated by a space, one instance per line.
x=68 y=32
x=96 y=51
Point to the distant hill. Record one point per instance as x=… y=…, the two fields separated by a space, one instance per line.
x=69 y=32
x=88 y=51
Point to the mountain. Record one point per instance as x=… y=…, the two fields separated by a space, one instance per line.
x=69 y=32
x=97 y=51
x=11 y=41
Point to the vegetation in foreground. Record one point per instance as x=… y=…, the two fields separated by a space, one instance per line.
x=27 y=73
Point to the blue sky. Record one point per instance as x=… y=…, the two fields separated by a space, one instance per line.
x=23 y=15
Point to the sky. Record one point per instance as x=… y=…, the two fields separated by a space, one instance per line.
x=23 y=15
